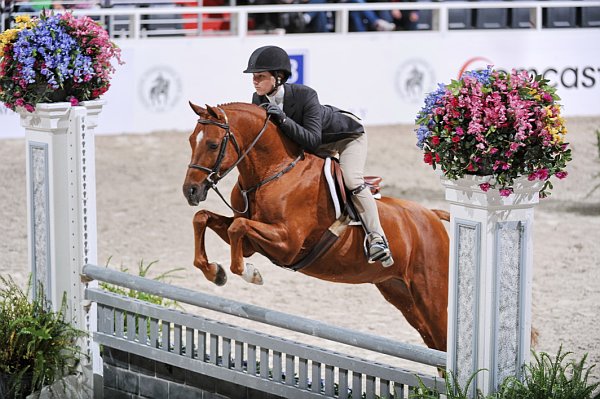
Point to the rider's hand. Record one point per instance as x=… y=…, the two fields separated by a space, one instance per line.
x=277 y=114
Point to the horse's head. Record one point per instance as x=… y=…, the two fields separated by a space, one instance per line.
x=212 y=154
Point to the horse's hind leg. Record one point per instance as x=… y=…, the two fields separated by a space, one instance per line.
x=396 y=292
x=219 y=224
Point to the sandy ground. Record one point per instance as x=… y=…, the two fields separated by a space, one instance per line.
x=142 y=215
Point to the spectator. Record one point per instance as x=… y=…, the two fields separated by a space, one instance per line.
x=290 y=22
x=365 y=20
x=405 y=19
x=265 y=21
x=317 y=21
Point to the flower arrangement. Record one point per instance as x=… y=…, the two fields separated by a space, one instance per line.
x=53 y=58
x=489 y=122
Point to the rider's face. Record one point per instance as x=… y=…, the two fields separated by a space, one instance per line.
x=263 y=82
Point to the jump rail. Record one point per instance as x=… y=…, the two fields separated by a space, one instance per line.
x=229 y=352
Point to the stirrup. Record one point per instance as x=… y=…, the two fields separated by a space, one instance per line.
x=377 y=249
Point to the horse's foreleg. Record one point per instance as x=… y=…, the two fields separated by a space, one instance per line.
x=219 y=224
x=269 y=238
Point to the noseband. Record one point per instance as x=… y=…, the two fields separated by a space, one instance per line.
x=214 y=175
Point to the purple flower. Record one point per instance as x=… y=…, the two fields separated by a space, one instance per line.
x=422 y=134
x=483 y=76
x=432 y=101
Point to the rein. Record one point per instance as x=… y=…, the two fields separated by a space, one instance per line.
x=214 y=175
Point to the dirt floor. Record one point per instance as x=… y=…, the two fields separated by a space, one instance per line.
x=142 y=215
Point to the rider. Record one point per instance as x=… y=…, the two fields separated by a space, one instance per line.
x=319 y=128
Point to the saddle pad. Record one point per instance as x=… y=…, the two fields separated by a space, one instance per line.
x=337 y=203
x=332 y=190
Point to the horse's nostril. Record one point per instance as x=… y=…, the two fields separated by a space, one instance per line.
x=192 y=191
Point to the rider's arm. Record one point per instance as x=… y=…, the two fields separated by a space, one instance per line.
x=308 y=133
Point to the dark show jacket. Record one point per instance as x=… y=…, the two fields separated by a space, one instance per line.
x=310 y=124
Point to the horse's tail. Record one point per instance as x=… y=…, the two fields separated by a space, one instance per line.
x=443 y=215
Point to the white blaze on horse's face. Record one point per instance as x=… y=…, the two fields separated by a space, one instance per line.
x=199 y=136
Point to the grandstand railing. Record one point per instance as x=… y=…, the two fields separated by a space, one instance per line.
x=136 y=19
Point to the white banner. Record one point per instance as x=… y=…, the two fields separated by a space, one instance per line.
x=381 y=77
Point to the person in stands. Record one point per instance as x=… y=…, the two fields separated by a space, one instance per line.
x=317 y=128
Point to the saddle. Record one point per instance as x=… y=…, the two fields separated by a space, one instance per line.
x=340 y=194
x=345 y=212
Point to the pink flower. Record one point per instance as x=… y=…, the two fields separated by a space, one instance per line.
x=542 y=174
x=561 y=175
x=29 y=108
x=74 y=102
x=499 y=126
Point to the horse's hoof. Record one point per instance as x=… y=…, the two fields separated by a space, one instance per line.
x=252 y=275
x=221 y=277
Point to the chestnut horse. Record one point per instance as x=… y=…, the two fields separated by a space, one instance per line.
x=282 y=207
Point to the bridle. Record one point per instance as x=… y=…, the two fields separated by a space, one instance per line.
x=214 y=173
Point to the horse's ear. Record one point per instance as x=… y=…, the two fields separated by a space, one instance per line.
x=197 y=109
x=212 y=112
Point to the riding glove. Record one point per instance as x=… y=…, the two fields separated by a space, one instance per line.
x=277 y=114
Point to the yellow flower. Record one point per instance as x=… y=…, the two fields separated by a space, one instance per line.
x=8 y=36
x=22 y=18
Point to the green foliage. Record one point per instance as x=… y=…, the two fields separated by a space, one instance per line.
x=543 y=378
x=143 y=271
x=38 y=346
x=453 y=389
x=558 y=378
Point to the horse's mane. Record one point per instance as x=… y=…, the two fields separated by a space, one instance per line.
x=239 y=105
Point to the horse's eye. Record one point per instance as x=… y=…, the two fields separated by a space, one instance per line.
x=212 y=145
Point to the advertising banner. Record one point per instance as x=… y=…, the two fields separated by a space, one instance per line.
x=381 y=77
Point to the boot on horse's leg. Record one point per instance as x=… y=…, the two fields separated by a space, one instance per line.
x=376 y=246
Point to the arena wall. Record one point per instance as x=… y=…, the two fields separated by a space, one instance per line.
x=381 y=77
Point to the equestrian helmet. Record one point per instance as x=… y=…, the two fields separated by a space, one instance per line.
x=268 y=59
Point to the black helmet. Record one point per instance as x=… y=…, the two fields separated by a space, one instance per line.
x=269 y=58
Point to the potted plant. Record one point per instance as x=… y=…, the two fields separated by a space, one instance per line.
x=496 y=124
x=54 y=58
x=38 y=346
